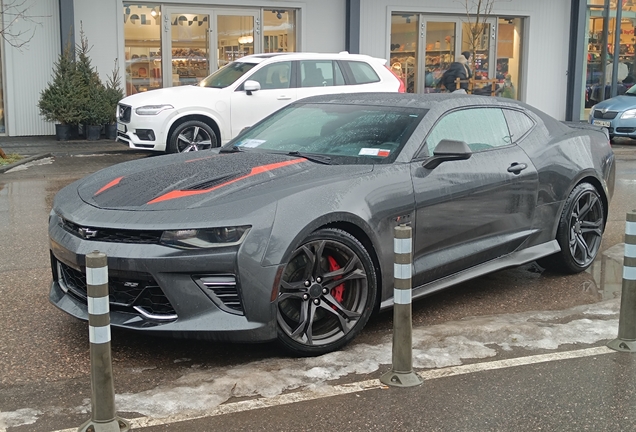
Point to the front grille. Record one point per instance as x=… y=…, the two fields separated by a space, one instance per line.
x=123 y=113
x=128 y=292
x=223 y=290
x=625 y=129
x=605 y=115
x=112 y=235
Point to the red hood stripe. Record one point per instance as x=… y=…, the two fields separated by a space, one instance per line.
x=256 y=170
x=109 y=185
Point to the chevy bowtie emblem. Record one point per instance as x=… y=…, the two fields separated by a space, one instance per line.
x=87 y=233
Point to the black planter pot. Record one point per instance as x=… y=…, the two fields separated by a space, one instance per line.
x=93 y=132
x=110 y=131
x=62 y=132
x=75 y=134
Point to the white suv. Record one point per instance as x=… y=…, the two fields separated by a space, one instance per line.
x=206 y=115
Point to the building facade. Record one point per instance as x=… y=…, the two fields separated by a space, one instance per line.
x=536 y=51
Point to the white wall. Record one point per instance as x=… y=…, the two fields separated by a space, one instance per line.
x=545 y=44
x=28 y=69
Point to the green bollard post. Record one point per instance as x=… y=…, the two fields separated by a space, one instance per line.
x=103 y=417
x=401 y=373
x=626 y=341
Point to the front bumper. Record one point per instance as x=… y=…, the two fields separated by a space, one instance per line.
x=617 y=127
x=157 y=289
x=144 y=132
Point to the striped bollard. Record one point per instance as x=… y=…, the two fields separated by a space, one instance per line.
x=103 y=418
x=626 y=340
x=401 y=373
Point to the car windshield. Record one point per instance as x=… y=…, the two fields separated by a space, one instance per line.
x=227 y=75
x=343 y=133
x=631 y=91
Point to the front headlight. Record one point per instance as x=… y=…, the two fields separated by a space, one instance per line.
x=629 y=114
x=205 y=238
x=152 y=109
x=591 y=116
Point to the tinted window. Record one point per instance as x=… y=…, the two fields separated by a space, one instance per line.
x=346 y=133
x=273 y=76
x=362 y=72
x=227 y=75
x=519 y=124
x=480 y=128
x=320 y=73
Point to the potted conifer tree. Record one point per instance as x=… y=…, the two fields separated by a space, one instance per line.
x=62 y=99
x=113 y=94
x=92 y=109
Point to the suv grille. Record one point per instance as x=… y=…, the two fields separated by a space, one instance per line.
x=607 y=115
x=123 y=113
x=112 y=235
x=131 y=292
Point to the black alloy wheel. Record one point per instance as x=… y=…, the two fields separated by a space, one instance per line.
x=193 y=135
x=327 y=293
x=580 y=231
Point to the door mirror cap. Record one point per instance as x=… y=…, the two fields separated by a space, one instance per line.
x=251 y=86
x=448 y=150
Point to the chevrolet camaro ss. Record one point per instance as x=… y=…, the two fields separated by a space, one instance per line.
x=286 y=232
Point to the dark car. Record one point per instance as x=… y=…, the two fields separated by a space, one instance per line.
x=287 y=231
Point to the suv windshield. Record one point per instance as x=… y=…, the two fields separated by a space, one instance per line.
x=227 y=75
x=346 y=134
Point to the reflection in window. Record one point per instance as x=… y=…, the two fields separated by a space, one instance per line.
x=142 y=47
x=480 y=128
x=279 y=30
x=273 y=76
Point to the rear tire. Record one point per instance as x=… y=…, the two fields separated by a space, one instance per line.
x=580 y=231
x=193 y=135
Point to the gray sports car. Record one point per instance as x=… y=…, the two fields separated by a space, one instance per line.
x=287 y=231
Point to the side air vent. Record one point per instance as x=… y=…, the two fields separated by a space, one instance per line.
x=223 y=290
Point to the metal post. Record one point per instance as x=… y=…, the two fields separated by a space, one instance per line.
x=103 y=418
x=626 y=341
x=401 y=373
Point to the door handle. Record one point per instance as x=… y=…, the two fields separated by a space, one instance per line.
x=516 y=168
x=283 y=97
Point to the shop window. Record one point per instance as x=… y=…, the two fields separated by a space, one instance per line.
x=509 y=44
x=142 y=47
x=404 y=49
x=279 y=30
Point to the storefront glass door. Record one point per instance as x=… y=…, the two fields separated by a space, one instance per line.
x=405 y=38
x=189 y=47
x=440 y=51
x=238 y=33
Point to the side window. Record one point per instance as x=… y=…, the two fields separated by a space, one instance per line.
x=519 y=124
x=480 y=128
x=320 y=73
x=362 y=73
x=273 y=76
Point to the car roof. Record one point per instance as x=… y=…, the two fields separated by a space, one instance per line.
x=258 y=58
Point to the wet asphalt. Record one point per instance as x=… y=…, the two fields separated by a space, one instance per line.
x=44 y=358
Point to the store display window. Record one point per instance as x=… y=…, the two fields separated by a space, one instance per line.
x=142 y=47
x=279 y=30
x=404 y=48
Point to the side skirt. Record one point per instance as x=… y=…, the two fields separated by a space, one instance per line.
x=511 y=260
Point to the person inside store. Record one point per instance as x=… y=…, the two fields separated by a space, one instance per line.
x=623 y=70
x=458 y=69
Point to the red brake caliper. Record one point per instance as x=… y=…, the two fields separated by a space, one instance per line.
x=337 y=292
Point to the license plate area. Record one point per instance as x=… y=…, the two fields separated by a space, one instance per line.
x=603 y=123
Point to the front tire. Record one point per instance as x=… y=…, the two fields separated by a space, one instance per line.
x=580 y=231
x=327 y=293
x=193 y=135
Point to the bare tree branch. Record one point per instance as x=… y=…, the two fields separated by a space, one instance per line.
x=14 y=14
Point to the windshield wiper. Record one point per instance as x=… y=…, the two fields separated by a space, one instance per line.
x=326 y=160
x=233 y=149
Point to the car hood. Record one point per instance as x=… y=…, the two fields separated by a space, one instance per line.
x=618 y=103
x=194 y=180
x=176 y=96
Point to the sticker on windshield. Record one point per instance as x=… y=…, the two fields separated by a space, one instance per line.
x=374 y=152
x=251 y=143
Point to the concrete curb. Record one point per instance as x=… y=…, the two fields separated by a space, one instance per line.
x=5 y=168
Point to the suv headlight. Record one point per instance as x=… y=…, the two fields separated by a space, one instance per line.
x=629 y=114
x=152 y=109
x=205 y=238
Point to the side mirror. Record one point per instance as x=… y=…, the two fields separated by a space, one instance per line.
x=448 y=150
x=251 y=86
